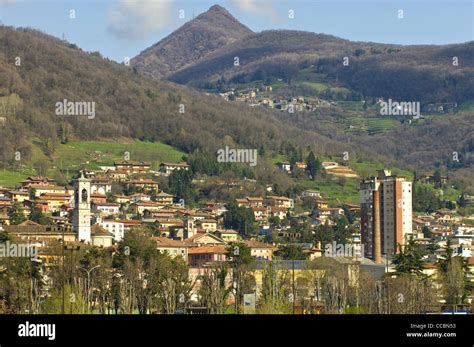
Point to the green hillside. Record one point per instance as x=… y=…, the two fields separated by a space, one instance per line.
x=74 y=155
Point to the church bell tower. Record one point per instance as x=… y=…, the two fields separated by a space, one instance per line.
x=82 y=209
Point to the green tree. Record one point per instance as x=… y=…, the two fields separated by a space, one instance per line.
x=437 y=178
x=37 y=216
x=214 y=292
x=313 y=166
x=425 y=199
x=409 y=258
x=291 y=252
x=15 y=214
x=324 y=234
x=426 y=232
x=32 y=194
x=454 y=282
x=180 y=184
x=243 y=279
x=462 y=202
x=275 y=291
x=342 y=231
x=241 y=219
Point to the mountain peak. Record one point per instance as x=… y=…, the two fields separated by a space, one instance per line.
x=217 y=8
x=204 y=34
x=218 y=15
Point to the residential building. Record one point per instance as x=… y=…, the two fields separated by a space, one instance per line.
x=121 y=199
x=386 y=213
x=37 y=180
x=174 y=248
x=106 y=208
x=204 y=255
x=31 y=231
x=261 y=214
x=279 y=212
x=168 y=168
x=207 y=224
x=100 y=237
x=260 y=250
x=311 y=194
x=40 y=189
x=140 y=207
x=143 y=184
x=101 y=185
x=17 y=195
x=98 y=198
x=132 y=166
x=250 y=202
x=284 y=166
x=205 y=238
x=164 y=198
x=139 y=197
x=228 y=235
x=56 y=200
x=280 y=201
x=115 y=227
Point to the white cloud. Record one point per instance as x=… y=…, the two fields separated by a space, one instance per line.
x=136 y=19
x=257 y=7
x=7 y=2
x=247 y=5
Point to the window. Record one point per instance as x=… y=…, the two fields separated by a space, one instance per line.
x=84 y=195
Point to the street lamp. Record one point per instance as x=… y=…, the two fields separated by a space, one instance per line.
x=88 y=279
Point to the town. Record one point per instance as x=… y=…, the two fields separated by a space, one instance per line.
x=254 y=254
x=260 y=95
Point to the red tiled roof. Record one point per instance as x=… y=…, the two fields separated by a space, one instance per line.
x=97 y=230
x=107 y=204
x=132 y=163
x=282 y=198
x=206 y=221
x=256 y=244
x=166 y=242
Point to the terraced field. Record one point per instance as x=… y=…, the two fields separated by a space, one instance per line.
x=371 y=126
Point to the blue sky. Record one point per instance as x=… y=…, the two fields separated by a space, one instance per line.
x=123 y=28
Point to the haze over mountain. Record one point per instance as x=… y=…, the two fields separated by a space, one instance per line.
x=194 y=40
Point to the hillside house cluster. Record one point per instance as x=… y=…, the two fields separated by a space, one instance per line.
x=260 y=96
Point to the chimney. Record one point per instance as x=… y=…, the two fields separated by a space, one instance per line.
x=377 y=247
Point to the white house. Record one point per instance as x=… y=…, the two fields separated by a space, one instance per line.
x=114 y=227
x=311 y=193
x=107 y=208
x=284 y=167
x=101 y=237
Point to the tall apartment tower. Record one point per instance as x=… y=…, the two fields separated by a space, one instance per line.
x=82 y=209
x=386 y=213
